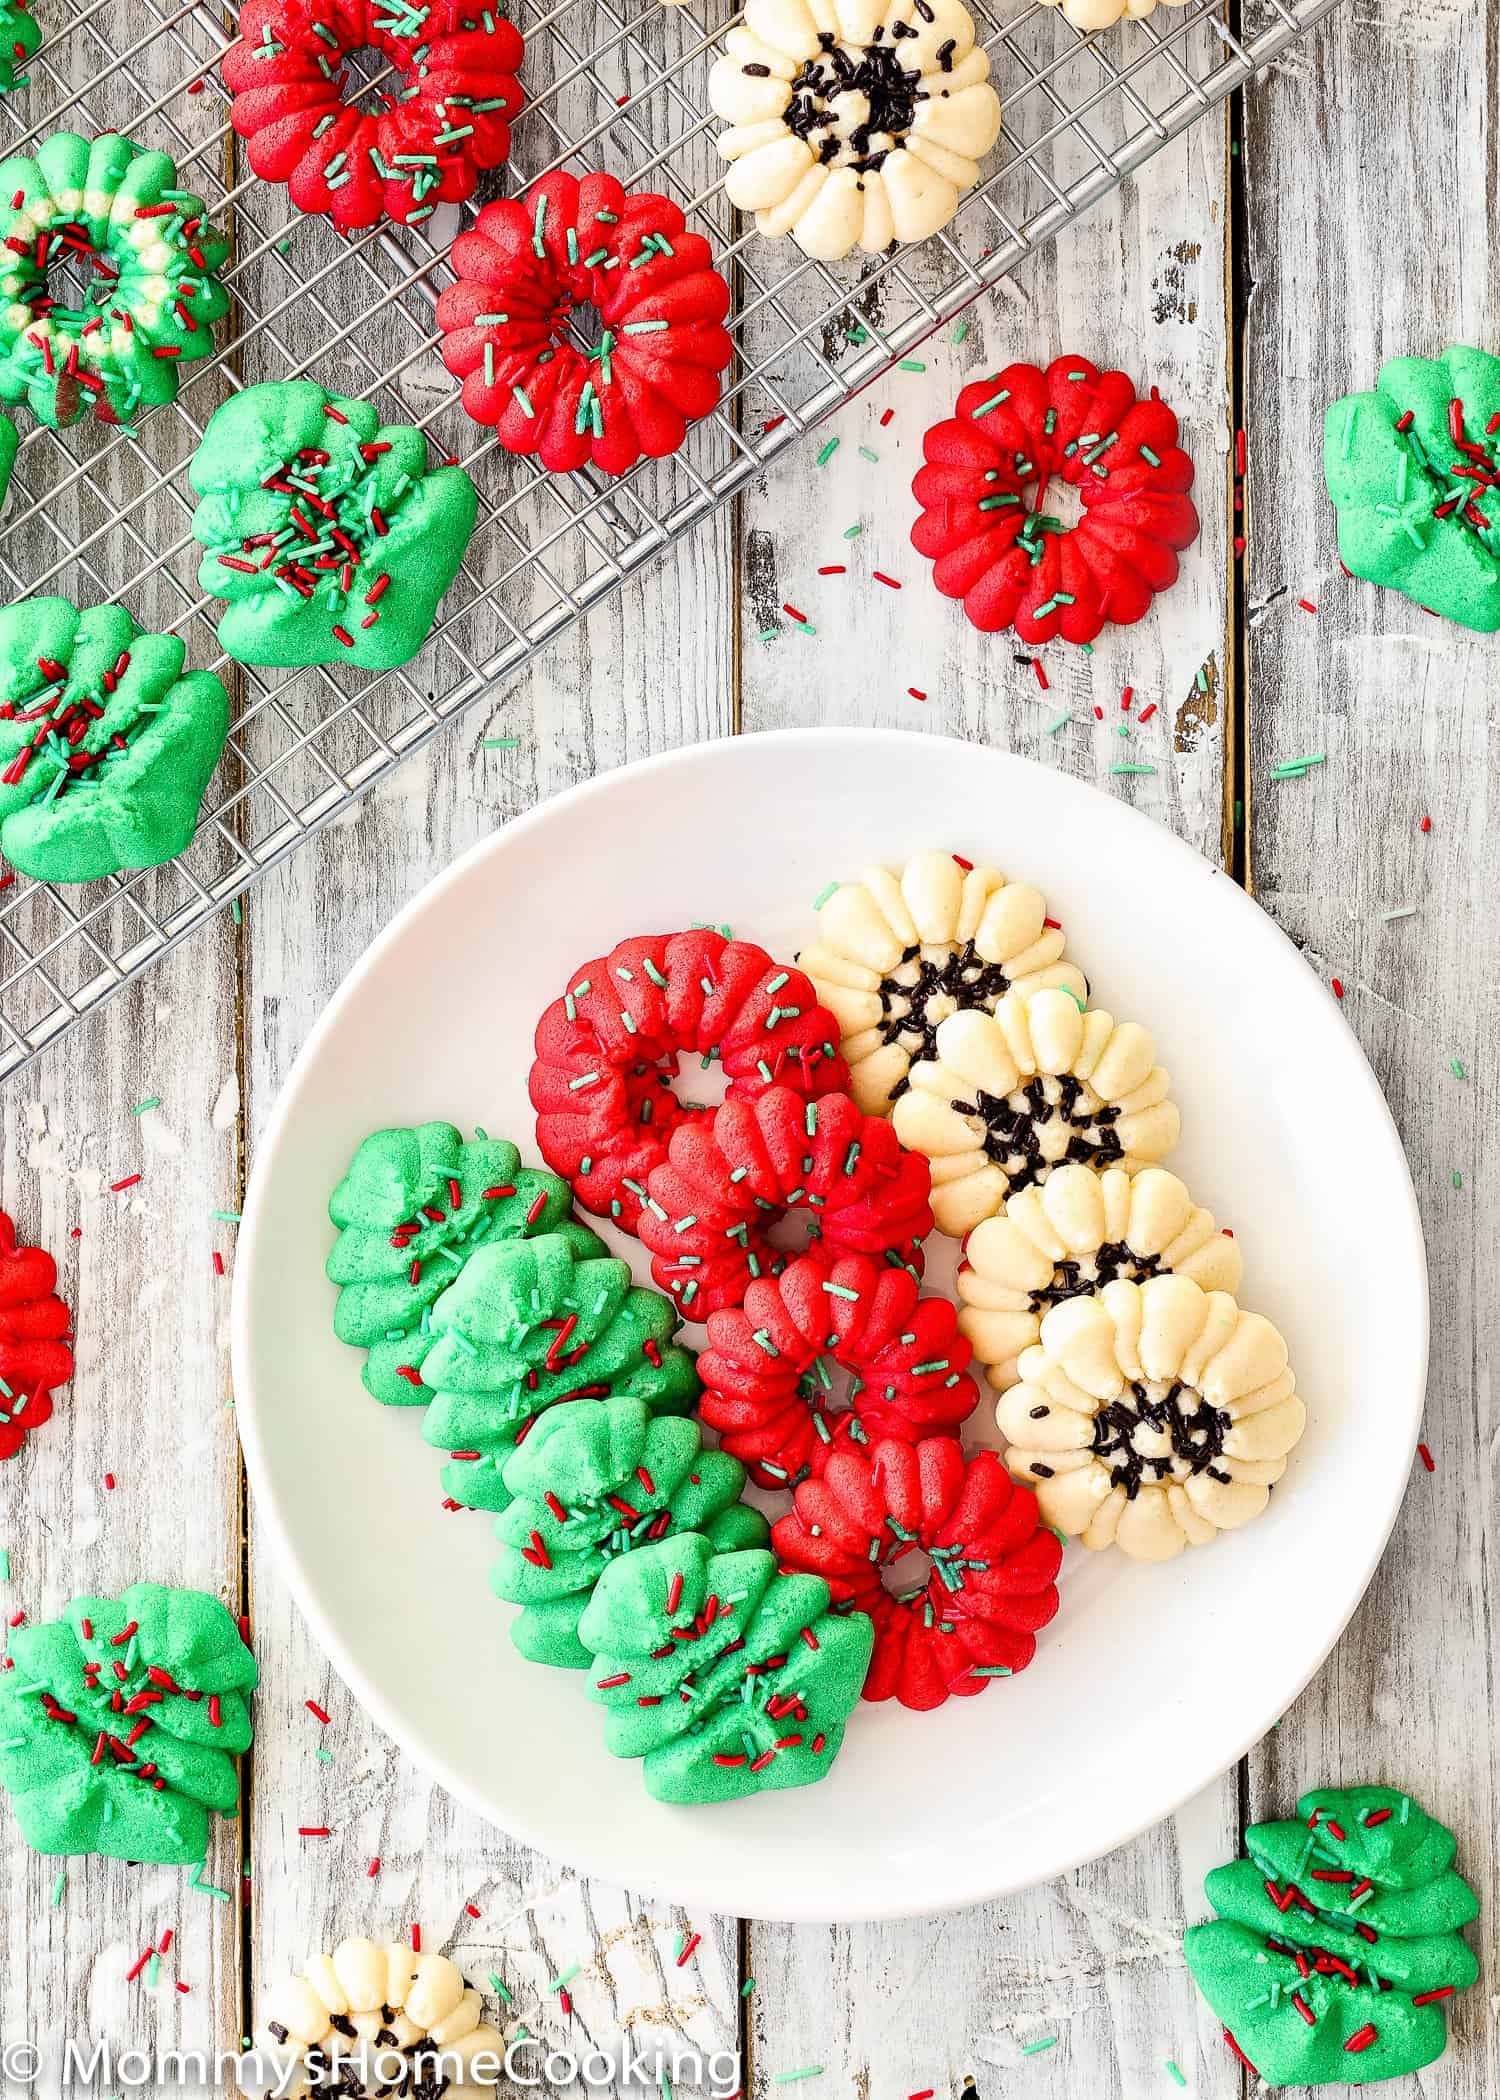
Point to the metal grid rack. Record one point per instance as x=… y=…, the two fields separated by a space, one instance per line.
x=102 y=514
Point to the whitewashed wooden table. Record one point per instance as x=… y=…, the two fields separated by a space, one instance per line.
x=1252 y=282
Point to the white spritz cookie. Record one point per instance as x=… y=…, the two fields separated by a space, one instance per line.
x=853 y=123
x=1040 y=1083
x=368 y=2020
x=1089 y=15
x=900 y=949
x=1152 y=1416
x=1072 y=1234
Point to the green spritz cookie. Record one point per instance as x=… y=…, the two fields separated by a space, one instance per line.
x=115 y=208
x=1412 y=472
x=526 y=1326
x=106 y=746
x=10 y=442
x=1337 y=1942
x=121 y=1722
x=410 y=1211
x=593 y=1481
x=325 y=531
x=20 y=38
x=726 y=1677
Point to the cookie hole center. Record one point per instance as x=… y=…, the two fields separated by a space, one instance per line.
x=370 y=82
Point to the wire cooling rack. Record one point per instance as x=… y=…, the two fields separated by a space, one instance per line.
x=100 y=514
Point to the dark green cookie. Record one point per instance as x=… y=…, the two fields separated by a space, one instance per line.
x=1411 y=470
x=593 y=1481
x=727 y=1678
x=1337 y=1942
x=528 y=1325
x=403 y=1238
x=132 y=1776
x=106 y=746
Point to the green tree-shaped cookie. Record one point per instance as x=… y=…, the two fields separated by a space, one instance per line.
x=106 y=745
x=726 y=1677
x=327 y=532
x=593 y=1481
x=527 y=1325
x=410 y=1211
x=1337 y=1942
x=121 y=1722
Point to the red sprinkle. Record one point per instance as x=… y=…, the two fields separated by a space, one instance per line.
x=1426 y=1457
x=128 y=1183
x=165 y=1941
x=1307 y=605
x=374 y=1866
x=218 y=1263
x=889 y=581
x=316 y=1711
x=1147 y=712
x=1358 y=2043
x=1377 y=1816
x=886 y=417
x=834 y=569
x=1239 y=453
x=1125 y=698
x=310 y=1830
x=1041 y=676
x=1426 y=824
x=416 y=1939
x=472 y=1909
x=916 y=692
x=131 y=1974
x=1406 y=421
x=1304 y=2008
x=1338 y=987
x=687 y=1949
x=1431 y=1997
x=793 y=614
x=674 y=1593
x=537 y=1208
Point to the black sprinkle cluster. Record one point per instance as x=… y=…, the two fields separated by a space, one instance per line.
x=876 y=72
x=1013 y=1128
x=1113 y=1260
x=341 y=2079
x=1196 y=1436
x=963 y=976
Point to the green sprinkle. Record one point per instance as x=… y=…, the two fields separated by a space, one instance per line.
x=4 y=1564
x=1061 y=723
x=499 y=1989
x=796 y=2077
x=324 y=1757
x=237 y=912
x=997 y=502
x=226 y=1217
x=1048 y=2041
x=153 y=1971
x=58 y=1887
x=911 y=364
x=500 y=743
x=1174 y=2072
x=1456 y=1067
x=1458 y=1179
x=747 y=1987
x=768 y=634
x=994 y=401
x=536 y=231
x=1132 y=769
x=151 y=1101
x=959 y=333
x=564 y=1977
x=519 y=395
x=852 y=532
x=988 y=1670
x=1123 y=730
x=866 y=453
x=823 y=896
x=827 y=452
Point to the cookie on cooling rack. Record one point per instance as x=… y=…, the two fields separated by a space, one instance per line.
x=853 y=125
x=1089 y=15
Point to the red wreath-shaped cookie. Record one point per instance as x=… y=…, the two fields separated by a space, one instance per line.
x=525 y=267
x=34 y=1356
x=606 y=1054
x=712 y=1203
x=445 y=114
x=768 y=1369
x=994 y=1564
x=984 y=524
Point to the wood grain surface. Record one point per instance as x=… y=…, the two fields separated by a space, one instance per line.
x=1249 y=289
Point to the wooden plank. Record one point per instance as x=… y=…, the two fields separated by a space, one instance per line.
x=1398 y=701
x=1095 y=1958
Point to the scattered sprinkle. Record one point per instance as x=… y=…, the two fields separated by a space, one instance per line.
x=1426 y=1457
x=889 y=581
x=852 y=532
x=316 y=1711
x=1061 y=723
x=826 y=454
x=1132 y=769
x=959 y=333
x=684 y=1953
x=313 y=1830
x=471 y=1910
x=1456 y=1067
x=373 y=1869
x=416 y=1939
x=1041 y=676
x=141 y=1107
x=1307 y=605
x=60 y=1885
x=793 y=614
x=1174 y=2072
x=1338 y=987
x=4 y=1564
x=1425 y=825
x=796 y=2077
x=499 y=1989
x=226 y=1217
x=1458 y=1179
x=1048 y=2041
x=916 y=692
x=561 y=1981
x=866 y=453
x=109 y=1482
x=500 y=743
x=747 y=1988
x=129 y=1182
x=833 y=568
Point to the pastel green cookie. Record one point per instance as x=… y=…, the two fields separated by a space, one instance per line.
x=126 y=1765
x=20 y=37
x=1337 y=1942
x=106 y=746
x=115 y=208
x=1411 y=470
x=593 y=1481
x=527 y=1325
x=410 y=1211
x=727 y=1678
x=326 y=532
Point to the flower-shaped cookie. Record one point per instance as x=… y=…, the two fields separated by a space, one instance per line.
x=1073 y=1233
x=121 y=1722
x=1337 y=1946
x=592 y=1481
x=768 y=1372
x=530 y=1324
x=854 y=123
x=410 y=1210
x=1152 y=1416
x=325 y=530
x=106 y=745
x=34 y=1351
x=369 y=2020
x=1414 y=473
x=727 y=1676
x=990 y=1583
x=902 y=948
x=1038 y=1083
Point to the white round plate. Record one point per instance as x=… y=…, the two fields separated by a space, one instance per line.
x=1151 y=1680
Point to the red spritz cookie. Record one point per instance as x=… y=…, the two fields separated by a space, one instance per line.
x=443 y=110
x=712 y=1203
x=767 y=1370
x=34 y=1355
x=992 y=1578
x=606 y=1054
x=654 y=367
x=984 y=522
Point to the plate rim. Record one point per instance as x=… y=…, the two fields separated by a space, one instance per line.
x=985 y=1887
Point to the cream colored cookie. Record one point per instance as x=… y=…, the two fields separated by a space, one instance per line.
x=364 y=2015
x=853 y=123
x=1072 y=1234
x=1012 y=1095
x=900 y=949
x=1089 y=15
x=1151 y=1416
